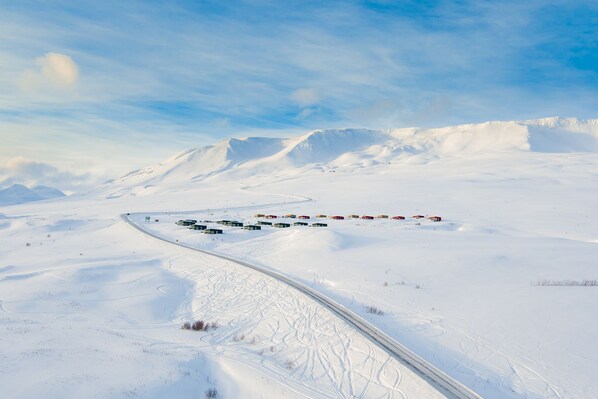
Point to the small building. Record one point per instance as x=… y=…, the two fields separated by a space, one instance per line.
x=156 y=220
x=337 y=217
x=198 y=227
x=147 y=218
x=186 y=222
x=259 y=215
x=290 y=216
x=435 y=218
x=304 y=217
x=418 y=216
x=300 y=224
x=271 y=217
x=224 y=222
x=212 y=231
x=353 y=216
x=262 y=223
x=236 y=224
x=321 y=216
x=398 y=217
x=366 y=217
x=382 y=217
x=319 y=225
x=282 y=225
x=252 y=227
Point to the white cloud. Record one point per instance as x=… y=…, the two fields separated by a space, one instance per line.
x=305 y=97
x=59 y=69
x=55 y=71
x=30 y=173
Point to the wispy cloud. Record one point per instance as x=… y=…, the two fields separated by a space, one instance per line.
x=182 y=73
x=30 y=173
x=56 y=72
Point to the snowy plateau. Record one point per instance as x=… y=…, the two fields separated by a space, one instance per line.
x=500 y=294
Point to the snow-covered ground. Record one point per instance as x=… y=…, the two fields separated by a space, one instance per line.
x=92 y=308
x=96 y=307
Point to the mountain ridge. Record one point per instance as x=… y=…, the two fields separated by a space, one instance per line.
x=338 y=148
x=20 y=194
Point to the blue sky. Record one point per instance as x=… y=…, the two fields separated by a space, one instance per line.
x=156 y=77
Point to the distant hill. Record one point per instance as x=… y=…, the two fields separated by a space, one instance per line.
x=20 y=194
x=352 y=149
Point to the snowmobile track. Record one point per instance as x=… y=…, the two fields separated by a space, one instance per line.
x=437 y=378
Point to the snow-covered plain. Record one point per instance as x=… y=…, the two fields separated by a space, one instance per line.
x=93 y=307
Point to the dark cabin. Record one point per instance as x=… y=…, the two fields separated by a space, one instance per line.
x=252 y=227
x=319 y=225
x=262 y=223
x=282 y=225
x=300 y=224
x=212 y=231
x=198 y=227
x=186 y=222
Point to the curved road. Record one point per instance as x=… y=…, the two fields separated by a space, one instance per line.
x=437 y=378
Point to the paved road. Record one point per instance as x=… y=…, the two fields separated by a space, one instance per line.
x=440 y=380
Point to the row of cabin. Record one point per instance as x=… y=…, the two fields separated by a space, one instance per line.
x=232 y=223
x=192 y=223
x=204 y=228
x=281 y=225
x=353 y=216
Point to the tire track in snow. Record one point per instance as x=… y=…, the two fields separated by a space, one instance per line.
x=434 y=376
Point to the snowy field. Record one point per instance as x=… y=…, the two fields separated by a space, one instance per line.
x=95 y=307
x=91 y=308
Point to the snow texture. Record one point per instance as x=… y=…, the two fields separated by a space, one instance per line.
x=90 y=306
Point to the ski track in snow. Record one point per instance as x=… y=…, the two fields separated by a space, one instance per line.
x=477 y=350
x=258 y=315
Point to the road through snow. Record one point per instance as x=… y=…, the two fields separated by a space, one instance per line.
x=443 y=383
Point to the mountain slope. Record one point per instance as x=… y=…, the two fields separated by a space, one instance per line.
x=354 y=148
x=20 y=194
x=47 y=192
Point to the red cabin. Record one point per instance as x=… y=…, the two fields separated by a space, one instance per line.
x=271 y=216
x=418 y=216
x=398 y=217
x=304 y=217
x=338 y=217
x=368 y=217
x=435 y=218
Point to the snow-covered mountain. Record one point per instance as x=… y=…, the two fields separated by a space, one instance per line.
x=348 y=149
x=20 y=194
